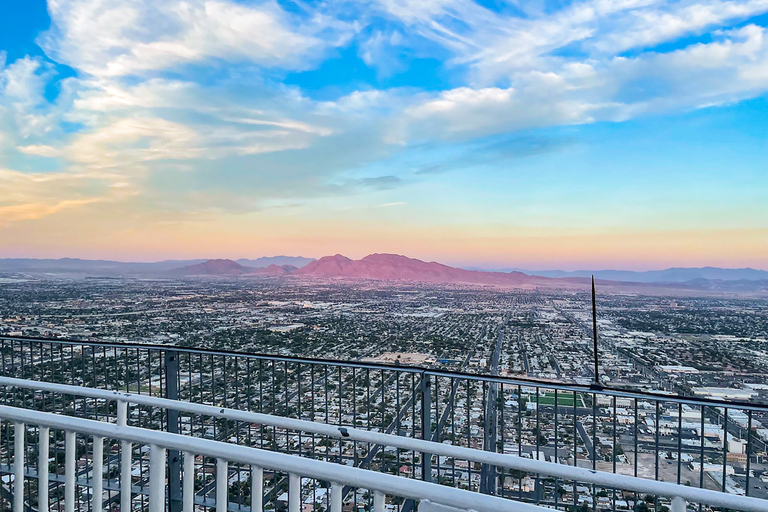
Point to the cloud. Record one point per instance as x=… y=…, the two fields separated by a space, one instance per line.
x=27 y=196
x=179 y=106
x=503 y=151
x=40 y=150
x=120 y=37
x=726 y=70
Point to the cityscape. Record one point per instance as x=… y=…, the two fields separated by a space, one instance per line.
x=386 y=332
x=384 y=256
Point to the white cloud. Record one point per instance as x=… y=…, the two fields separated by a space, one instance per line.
x=40 y=150
x=727 y=70
x=189 y=92
x=33 y=196
x=121 y=37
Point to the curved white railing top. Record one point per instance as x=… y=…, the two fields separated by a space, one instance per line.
x=678 y=493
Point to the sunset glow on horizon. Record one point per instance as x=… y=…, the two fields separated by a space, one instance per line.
x=591 y=134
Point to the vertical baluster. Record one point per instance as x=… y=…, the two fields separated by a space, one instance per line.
x=19 y=431
x=749 y=446
x=69 y=472
x=257 y=488
x=725 y=446
x=679 y=442
x=122 y=413
x=294 y=493
x=221 y=485
x=126 y=449
x=678 y=504
x=98 y=473
x=378 y=501
x=188 y=483
x=42 y=469
x=336 y=490
x=156 y=479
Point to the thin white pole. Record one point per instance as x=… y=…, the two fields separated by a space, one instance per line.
x=42 y=469
x=188 y=484
x=156 y=479
x=257 y=488
x=678 y=504
x=222 y=488
x=126 y=449
x=336 y=490
x=378 y=501
x=69 y=471
x=19 y=433
x=294 y=493
x=122 y=412
x=98 y=473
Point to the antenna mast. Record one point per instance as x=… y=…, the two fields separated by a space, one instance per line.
x=594 y=332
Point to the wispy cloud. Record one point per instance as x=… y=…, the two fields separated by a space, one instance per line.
x=213 y=104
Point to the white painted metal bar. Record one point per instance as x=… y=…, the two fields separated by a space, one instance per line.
x=157 y=479
x=507 y=461
x=126 y=451
x=598 y=478
x=678 y=504
x=69 y=471
x=294 y=492
x=222 y=485
x=43 y=445
x=188 y=483
x=389 y=484
x=122 y=412
x=19 y=435
x=98 y=474
x=378 y=501
x=257 y=488
x=336 y=494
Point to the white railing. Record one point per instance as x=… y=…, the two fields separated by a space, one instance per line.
x=381 y=484
x=679 y=495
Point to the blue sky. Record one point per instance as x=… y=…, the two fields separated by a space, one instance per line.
x=610 y=133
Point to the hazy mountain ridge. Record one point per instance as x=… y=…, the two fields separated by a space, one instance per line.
x=398 y=268
x=669 y=275
x=77 y=266
x=394 y=267
x=266 y=261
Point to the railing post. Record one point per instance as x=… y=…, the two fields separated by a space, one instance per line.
x=175 y=500
x=19 y=435
x=156 y=478
x=678 y=504
x=336 y=490
x=69 y=471
x=426 y=426
x=42 y=469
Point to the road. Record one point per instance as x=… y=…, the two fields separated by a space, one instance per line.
x=488 y=472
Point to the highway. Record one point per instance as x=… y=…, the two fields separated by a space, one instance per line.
x=488 y=473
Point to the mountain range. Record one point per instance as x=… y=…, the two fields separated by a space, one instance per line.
x=670 y=275
x=230 y=268
x=393 y=267
x=76 y=266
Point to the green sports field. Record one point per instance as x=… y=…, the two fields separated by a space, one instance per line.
x=564 y=399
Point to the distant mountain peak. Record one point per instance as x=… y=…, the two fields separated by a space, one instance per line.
x=218 y=267
x=396 y=267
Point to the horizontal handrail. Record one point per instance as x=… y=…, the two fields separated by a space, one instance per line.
x=335 y=473
x=423 y=371
x=599 y=478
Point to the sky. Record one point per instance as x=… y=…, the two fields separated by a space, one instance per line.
x=589 y=134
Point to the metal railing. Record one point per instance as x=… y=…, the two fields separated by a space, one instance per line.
x=258 y=460
x=692 y=442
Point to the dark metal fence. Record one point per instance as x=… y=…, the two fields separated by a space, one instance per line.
x=705 y=443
